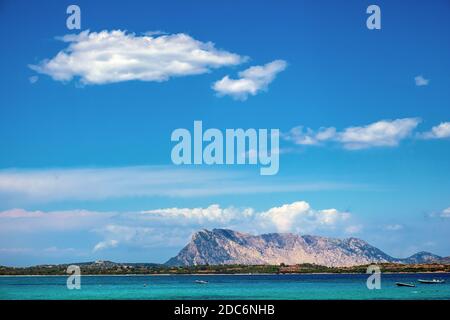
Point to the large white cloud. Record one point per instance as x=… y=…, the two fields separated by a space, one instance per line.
x=251 y=81
x=300 y=217
x=384 y=133
x=115 y=56
x=296 y=217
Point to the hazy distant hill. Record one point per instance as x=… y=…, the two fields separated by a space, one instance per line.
x=221 y=246
x=423 y=257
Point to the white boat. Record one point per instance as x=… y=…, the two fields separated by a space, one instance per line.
x=405 y=284
x=432 y=281
x=201 y=281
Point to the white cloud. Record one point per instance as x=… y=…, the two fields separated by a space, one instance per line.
x=421 y=81
x=155 y=33
x=107 y=244
x=296 y=217
x=384 y=133
x=15 y=250
x=33 y=79
x=440 y=131
x=300 y=217
x=393 y=227
x=445 y=213
x=133 y=234
x=306 y=136
x=354 y=229
x=42 y=252
x=251 y=81
x=63 y=220
x=213 y=213
x=20 y=187
x=115 y=56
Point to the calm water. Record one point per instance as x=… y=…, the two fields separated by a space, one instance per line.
x=224 y=287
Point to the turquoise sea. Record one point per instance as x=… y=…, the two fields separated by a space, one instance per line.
x=301 y=286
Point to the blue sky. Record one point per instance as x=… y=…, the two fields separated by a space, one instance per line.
x=85 y=168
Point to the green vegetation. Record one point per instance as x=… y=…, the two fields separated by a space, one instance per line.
x=111 y=268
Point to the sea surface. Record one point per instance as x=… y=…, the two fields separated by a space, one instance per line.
x=302 y=286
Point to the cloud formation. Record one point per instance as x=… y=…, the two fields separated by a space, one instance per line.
x=115 y=56
x=440 y=131
x=300 y=217
x=251 y=81
x=445 y=213
x=22 y=187
x=20 y=220
x=107 y=244
x=421 y=81
x=354 y=229
x=384 y=133
x=393 y=227
x=33 y=79
x=293 y=217
x=170 y=226
x=307 y=136
x=213 y=213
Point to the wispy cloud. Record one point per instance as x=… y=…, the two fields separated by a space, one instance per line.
x=50 y=250
x=393 y=227
x=116 y=56
x=19 y=187
x=445 y=213
x=251 y=81
x=107 y=244
x=133 y=234
x=421 y=81
x=33 y=79
x=20 y=220
x=307 y=136
x=354 y=229
x=384 y=133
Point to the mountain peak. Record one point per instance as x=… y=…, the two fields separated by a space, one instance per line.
x=423 y=257
x=225 y=246
x=424 y=253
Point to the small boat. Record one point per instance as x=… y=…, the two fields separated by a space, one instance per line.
x=432 y=281
x=404 y=284
x=201 y=281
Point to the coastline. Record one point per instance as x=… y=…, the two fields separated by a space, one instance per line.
x=120 y=269
x=216 y=274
